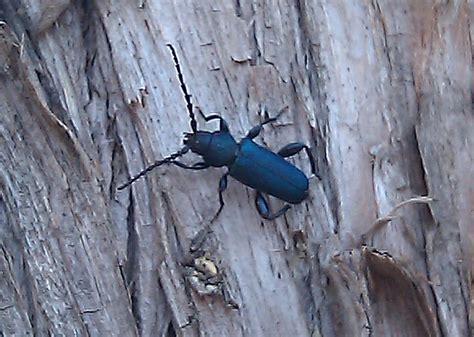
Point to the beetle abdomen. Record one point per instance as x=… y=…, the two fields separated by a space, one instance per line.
x=265 y=171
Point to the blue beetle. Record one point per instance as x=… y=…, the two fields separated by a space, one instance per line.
x=251 y=164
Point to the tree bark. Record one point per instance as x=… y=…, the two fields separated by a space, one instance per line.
x=380 y=90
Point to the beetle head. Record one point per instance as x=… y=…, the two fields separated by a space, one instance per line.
x=198 y=142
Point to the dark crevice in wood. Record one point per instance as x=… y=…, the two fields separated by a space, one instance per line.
x=132 y=269
x=423 y=183
x=54 y=99
x=171 y=331
x=238 y=8
x=117 y=161
x=91 y=49
x=32 y=310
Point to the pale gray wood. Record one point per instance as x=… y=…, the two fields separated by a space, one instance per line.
x=89 y=96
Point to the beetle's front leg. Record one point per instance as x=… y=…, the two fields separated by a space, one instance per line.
x=223 y=127
x=264 y=210
x=254 y=132
x=222 y=188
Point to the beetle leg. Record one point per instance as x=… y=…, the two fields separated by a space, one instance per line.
x=196 y=166
x=222 y=188
x=223 y=127
x=293 y=148
x=254 y=132
x=264 y=210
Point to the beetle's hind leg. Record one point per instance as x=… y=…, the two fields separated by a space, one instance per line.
x=264 y=210
x=294 y=148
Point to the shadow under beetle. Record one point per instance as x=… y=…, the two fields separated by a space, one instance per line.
x=251 y=164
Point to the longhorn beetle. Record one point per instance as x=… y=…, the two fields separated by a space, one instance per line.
x=251 y=164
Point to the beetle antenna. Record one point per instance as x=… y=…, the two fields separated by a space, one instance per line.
x=166 y=160
x=187 y=96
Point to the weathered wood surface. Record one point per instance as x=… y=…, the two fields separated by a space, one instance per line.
x=380 y=90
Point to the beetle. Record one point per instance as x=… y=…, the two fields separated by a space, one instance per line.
x=253 y=165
